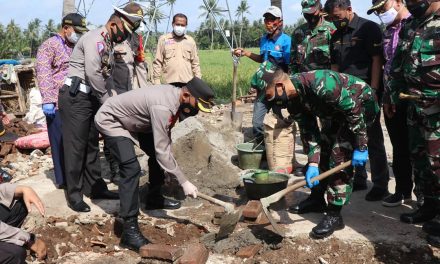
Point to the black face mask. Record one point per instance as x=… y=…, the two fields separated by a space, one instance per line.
x=311 y=19
x=119 y=36
x=419 y=9
x=188 y=110
x=341 y=23
x=280 y=101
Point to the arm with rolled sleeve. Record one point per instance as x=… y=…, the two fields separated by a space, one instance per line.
x=195 y=61
x=10 y=234
x=158 y=61
x=160 y=124
x=46 y=84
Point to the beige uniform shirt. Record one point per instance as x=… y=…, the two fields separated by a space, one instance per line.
x=137 y=70
x=86 y=61
x=146 y=110
x=177 y=59
x=10 y=234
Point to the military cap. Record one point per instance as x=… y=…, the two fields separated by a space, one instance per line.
x=77 y=21
x=202 y=92
x=310 y=6
x=132 y=15
x=376 y=5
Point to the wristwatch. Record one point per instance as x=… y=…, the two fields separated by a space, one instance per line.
x=363 y=148
x=31 y=241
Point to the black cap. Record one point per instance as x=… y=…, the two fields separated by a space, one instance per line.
x=202 y=92
x=77 y=21
x=376 y=4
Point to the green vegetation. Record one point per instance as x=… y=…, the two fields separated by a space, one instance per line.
x=217 y=69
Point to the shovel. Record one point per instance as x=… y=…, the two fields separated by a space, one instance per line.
x=266 y=202
x=234 y=119
x=228 y=221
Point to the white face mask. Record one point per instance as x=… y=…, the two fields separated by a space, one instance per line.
x=140 y=29
x=389 y=16
x=73 y=38
x=179 y=30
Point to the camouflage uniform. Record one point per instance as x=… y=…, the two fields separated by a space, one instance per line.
x=416 y=70
x=349 y=104
x=311 y=47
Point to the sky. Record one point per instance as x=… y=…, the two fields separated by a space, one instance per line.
x=22 y=11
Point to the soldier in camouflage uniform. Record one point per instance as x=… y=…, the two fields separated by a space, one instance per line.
x=416 y=71
x=349 y=103
x=311 y=51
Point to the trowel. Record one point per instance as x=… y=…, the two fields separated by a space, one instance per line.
x=229 y=221
x=266 y=202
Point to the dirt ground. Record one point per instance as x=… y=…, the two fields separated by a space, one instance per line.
x=204 y=148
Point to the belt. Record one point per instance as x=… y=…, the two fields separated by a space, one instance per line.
x=82 y=87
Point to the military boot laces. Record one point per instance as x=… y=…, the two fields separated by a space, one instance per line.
x=132 y=237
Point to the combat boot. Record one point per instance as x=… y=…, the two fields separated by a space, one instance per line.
x=331 y=222
x=132 y=237
x=433 y=240
x=155 y=200
x=432 y=227
x=425 y=213
x=315 y=203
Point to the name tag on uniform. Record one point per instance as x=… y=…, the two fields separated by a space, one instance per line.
x=170 y=42
x=101 y=47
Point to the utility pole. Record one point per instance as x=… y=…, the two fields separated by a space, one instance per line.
x=68 y=7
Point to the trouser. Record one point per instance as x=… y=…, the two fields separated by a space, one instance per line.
x=398 y=131
x=56 y=146
x=378 y=158
x=81 y=146
x=122 y=150
x=11 y=253
x=260 y=111
x=424 y=143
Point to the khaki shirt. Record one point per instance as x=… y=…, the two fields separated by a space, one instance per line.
x=177 y=59
x=87 y=58
x=146 y=110
x=10 y=234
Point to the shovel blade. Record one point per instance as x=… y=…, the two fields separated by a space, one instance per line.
x=233 y=119
x=227 y=224
x=277 y=229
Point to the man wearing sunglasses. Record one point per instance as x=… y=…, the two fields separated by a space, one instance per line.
x=145 y=117
x=79 y=99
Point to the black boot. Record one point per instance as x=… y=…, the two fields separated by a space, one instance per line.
x=315 y=203
x=432 y=227
x=331 y=222
x=433 y=240
x=425 y=213
x=132 y=237
x=155 y=200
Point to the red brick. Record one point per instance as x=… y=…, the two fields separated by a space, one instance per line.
x=252 y=209
x=262 y=219
x=160 y=251
x=194 y=254
x=249 y=251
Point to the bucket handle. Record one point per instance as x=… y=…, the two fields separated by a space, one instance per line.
x=254 y=148
x=248 y=180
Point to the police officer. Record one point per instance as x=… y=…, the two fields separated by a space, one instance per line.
x=274 y=47
x=416 y=71
x=350 y=105
x=145 y=117
x=311 y=51
x=84 y=91
x=356 y=49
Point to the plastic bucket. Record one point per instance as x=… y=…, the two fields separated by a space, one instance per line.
x=257 y=187
x=249 y=157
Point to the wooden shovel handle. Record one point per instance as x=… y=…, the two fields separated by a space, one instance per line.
x=409 y=97
x=277 y=196
x=214 y=200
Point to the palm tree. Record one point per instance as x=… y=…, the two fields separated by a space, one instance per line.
x=209 y=11
x=49 y=29
x=278 y=3
x=33 y=34
x=242 y=9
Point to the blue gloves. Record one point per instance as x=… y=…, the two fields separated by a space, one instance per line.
x=359 y=158
x=49 y=109
x=312 y=172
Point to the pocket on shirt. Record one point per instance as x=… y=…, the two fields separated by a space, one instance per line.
x=186 y=54
x=170 y=52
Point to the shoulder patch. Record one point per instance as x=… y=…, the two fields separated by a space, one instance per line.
x=100 y=46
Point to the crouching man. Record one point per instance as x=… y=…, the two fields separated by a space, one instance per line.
x=349 y=104
x=145 y=117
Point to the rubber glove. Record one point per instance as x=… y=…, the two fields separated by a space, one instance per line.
x=189 y=189
x=359 y=158
x=311 y=173
x=49 y=109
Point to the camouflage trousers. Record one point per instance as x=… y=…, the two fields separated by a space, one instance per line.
x=424 y=144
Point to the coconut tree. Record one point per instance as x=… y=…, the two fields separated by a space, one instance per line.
x=210 y=11
x=242 y=9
